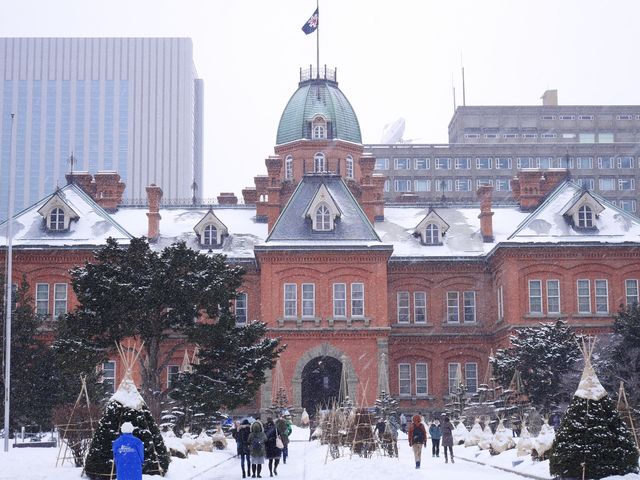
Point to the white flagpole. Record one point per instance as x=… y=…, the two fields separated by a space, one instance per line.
x=8 y=298
x=318 y=41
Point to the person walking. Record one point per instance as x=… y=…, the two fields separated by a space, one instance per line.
x=241 y=434
x=417 y=437
x=403 y=422
x=435 y=432
x=257 y=440
x=447 y=439
x=283 y=428
x=271 y=449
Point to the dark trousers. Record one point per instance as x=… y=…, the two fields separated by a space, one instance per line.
x=446 y=447
x=245 y=458
x=435 y=446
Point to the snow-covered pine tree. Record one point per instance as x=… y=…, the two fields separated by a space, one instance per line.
x=126 y=405
x=592 y=441
x=386 y=406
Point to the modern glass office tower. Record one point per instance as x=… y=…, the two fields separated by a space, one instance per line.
x=131 y=105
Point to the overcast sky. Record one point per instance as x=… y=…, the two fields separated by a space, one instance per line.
x=395 y=58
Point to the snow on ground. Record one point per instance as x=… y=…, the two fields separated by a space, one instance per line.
x=307 y=461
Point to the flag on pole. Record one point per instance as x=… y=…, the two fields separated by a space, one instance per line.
x=312 y=24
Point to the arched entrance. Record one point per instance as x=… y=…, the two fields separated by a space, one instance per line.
x=320 y=383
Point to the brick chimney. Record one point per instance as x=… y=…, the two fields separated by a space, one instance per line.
x=84 y=181
x=250 y=195
x=227 y=198
x=485 y=193
x=154 y=195
x=108 y=190
x=531 y=186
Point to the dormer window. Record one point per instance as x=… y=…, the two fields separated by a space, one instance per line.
x=319 y=163
x=431 y=229
x=319 y=128
x=323 y=211
x=210 y=236
x=57 y=213
x=56 y=220
x=432 y=234
x=211 y=231
x=585 y=217
x=323 y=219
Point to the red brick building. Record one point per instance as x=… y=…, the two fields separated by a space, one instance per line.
x=407 y=294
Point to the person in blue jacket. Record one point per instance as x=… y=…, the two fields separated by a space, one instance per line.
x=128 y=454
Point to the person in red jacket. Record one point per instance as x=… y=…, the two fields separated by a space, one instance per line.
x=417 y=437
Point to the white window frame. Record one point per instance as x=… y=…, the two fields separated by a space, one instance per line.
x=56 y=219
x=626 y=183
x=420 y=307
x=585 y=217
x=421 y=163
x=323 y=218
x=422 y=379
x=340 y=300
x=403 y=307
x=357 y=299
x=606 y=162
x=601 y=291
x=382 y=164
x=453 y=307
x=499 y=163
x=481 y=160
x=535 y=297
x=42 y=299
x=404 y=379
x=319 y=163
x=463 y=185
x=399 y=183
x=308 y=300
x=290 y=300
x=241 y=308
x=60 y=299
x=622 y=162
x=469 y=306
x=554 y=307
x=109 y=379
x=462 y=163
x=419 y=182
x=402 y=163
x=210 y=235
x=288 y=168
x=584 y=163
x=454 y=381
x=632 y=295
x=500 y=182
x=583 y=295
x=349 y=165
x=610 y=181
x=442 y=163
x=471 y=376
x=432 y=234
x=500 y=303
x=172 y=374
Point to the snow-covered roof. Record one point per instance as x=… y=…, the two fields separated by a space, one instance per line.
x=463 y=239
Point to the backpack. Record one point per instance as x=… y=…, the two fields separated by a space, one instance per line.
x=418 y=434
x=256 y=444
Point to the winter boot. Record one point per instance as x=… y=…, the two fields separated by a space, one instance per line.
x=417 y=464
x=259 y=471
x=452 y=459
x=275 y=466
x=244 y=475
x=253 y=469
x=446 y=460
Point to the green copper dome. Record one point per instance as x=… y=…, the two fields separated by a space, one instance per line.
x=318 y=96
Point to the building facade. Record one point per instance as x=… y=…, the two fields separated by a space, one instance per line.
x=131 y=105
x=403 y=298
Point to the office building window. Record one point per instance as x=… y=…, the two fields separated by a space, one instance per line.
x=510 y=135
x=602 y=296
x=357 y=299
x=605 y=138
x=463 y=163
x=553 y=296
x=631 y=291
x=463 y=185
x=339 y=299
x=421 y=163
x=241 y=309
x=443 y=163
x=584 y=296
x=535 y=297
x=404 y=379
x=607 y=184
x=387 y=185
x=503 y=163
x=403 y=307
x=623 y=117
x=422 y=379
x=627 y=205
x=420 y=307
x=587 y=137
x=402 y=185
x=626 y=184
x=290 y=300
x=527 y=162
x=584 y=163
x=382 y=164
x=484 y=182
x=503 y=185
x=422 y=185
x=483 y=163
x=402 y=163
x=308 y=300
x=605 y=162
x=443 y=184
x=587 y=183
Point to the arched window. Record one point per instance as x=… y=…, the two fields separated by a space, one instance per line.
x=585 y=217
x=432 y=234
x=319 y=165
x=56 y=219
x=323 y=218
x=288 y=168
x=349 y=162
x=210 y=235
x=319 y=128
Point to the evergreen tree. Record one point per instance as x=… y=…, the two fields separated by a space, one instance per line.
x=542 y=355
x=134 y=291
x=33 y=373
x=126 y=405
x=233 y=361
x=592 y=441
x=386 y=406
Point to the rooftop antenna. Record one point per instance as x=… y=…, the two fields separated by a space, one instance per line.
x=72 y=161
x=464 y=99
x=453 y=87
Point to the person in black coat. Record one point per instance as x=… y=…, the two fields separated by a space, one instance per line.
x=273 y=452
x=241 y=434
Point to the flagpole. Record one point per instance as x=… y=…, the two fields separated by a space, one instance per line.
x=9 y=290
x=318 y=41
